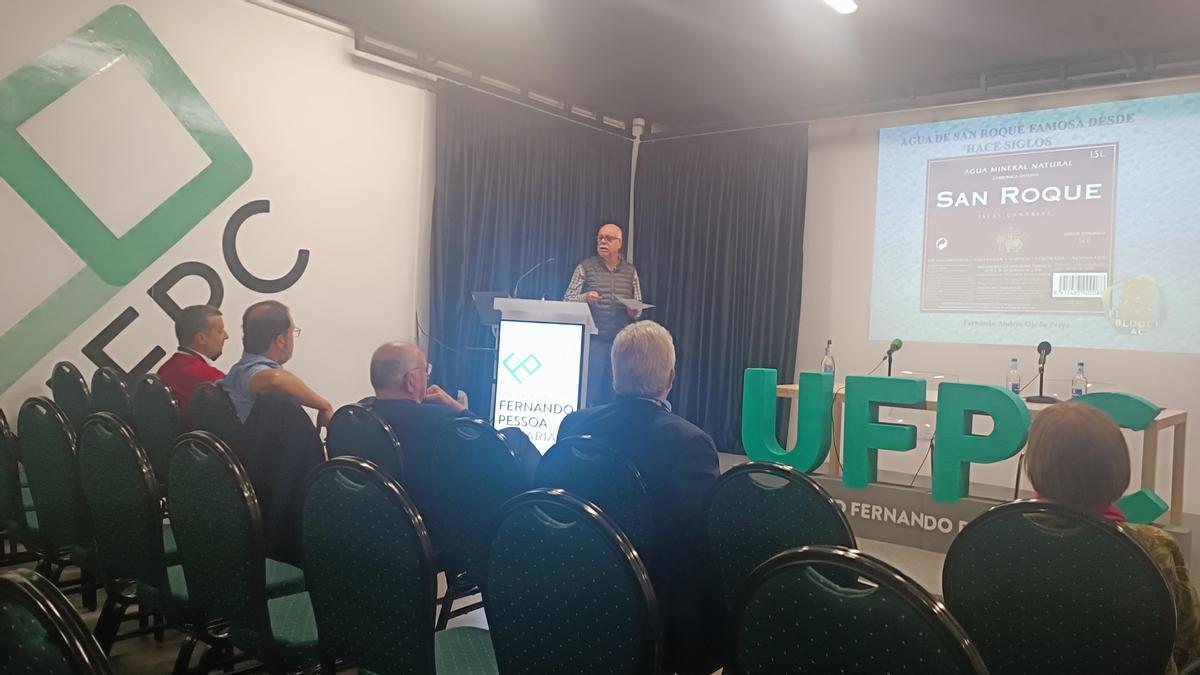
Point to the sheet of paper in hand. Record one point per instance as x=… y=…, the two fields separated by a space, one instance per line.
x=635 y=305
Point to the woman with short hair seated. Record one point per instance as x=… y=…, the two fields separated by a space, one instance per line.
x=1077 y=456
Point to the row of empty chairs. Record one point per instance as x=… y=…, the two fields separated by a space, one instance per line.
x=17 y=517
x=147 y=406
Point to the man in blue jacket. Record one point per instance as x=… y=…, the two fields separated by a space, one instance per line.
x=678 y=462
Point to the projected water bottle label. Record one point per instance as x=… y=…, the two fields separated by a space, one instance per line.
x=1020 y=232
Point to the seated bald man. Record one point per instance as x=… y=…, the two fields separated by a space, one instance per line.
x=415 y=409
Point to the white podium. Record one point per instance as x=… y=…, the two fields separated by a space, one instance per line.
x=541 y=365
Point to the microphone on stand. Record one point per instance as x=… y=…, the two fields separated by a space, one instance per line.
x=1043 y=350
x=528 y=272
x=894 y=347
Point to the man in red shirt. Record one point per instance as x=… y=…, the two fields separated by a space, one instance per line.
x=201 y=333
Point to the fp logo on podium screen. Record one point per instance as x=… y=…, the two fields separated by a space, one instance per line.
x=539 y=372
x=521 y=369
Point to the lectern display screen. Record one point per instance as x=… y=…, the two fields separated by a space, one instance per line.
x=539 y=370
x=1076 y=225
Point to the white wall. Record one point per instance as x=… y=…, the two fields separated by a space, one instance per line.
x=835 y=303
x=342 y=153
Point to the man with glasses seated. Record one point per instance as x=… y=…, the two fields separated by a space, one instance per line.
x=268 y=338
x=599 y=281
x=417 y=411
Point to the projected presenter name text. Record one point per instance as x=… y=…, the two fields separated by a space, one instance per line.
x=948 y=199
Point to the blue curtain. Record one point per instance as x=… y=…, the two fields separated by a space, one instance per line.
x=718 y=243
x=513 y=187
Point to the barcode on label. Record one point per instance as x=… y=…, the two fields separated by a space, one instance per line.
x=1079 y=284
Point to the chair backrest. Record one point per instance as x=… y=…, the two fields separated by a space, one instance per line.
x=41 y=633
x=792 y=617
x=527 y=454
x=212 y=411
x=159 y=423
x=589 y=469
x=759 y=509
x=281 y=447
x=123 y=500
x=566 y=592
x=110 y=394
x=12 y=511
x=474 y=474
x=355 y=431
x=1041 y=587
x=48 y=452
x=70 y=392
x=218 y=529
x=369 y=569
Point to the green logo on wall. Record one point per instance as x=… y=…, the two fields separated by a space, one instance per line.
x=111 y=261
x=958 y=404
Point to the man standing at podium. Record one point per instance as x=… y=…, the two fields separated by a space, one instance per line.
x=599 y=281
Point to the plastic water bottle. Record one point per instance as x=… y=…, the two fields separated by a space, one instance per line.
x=1014 y=378
x=827 y=364
x=1079 y=382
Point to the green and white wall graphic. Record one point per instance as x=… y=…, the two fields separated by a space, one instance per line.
x=160 y=154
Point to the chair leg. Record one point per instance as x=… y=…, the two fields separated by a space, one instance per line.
x=109 y=621
x=210 y=655
x=88 y=587
x=447 y=604
x=327 y=666
x=219 y=654
x=160 y=624
x=184 y=658
x=45 y=567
